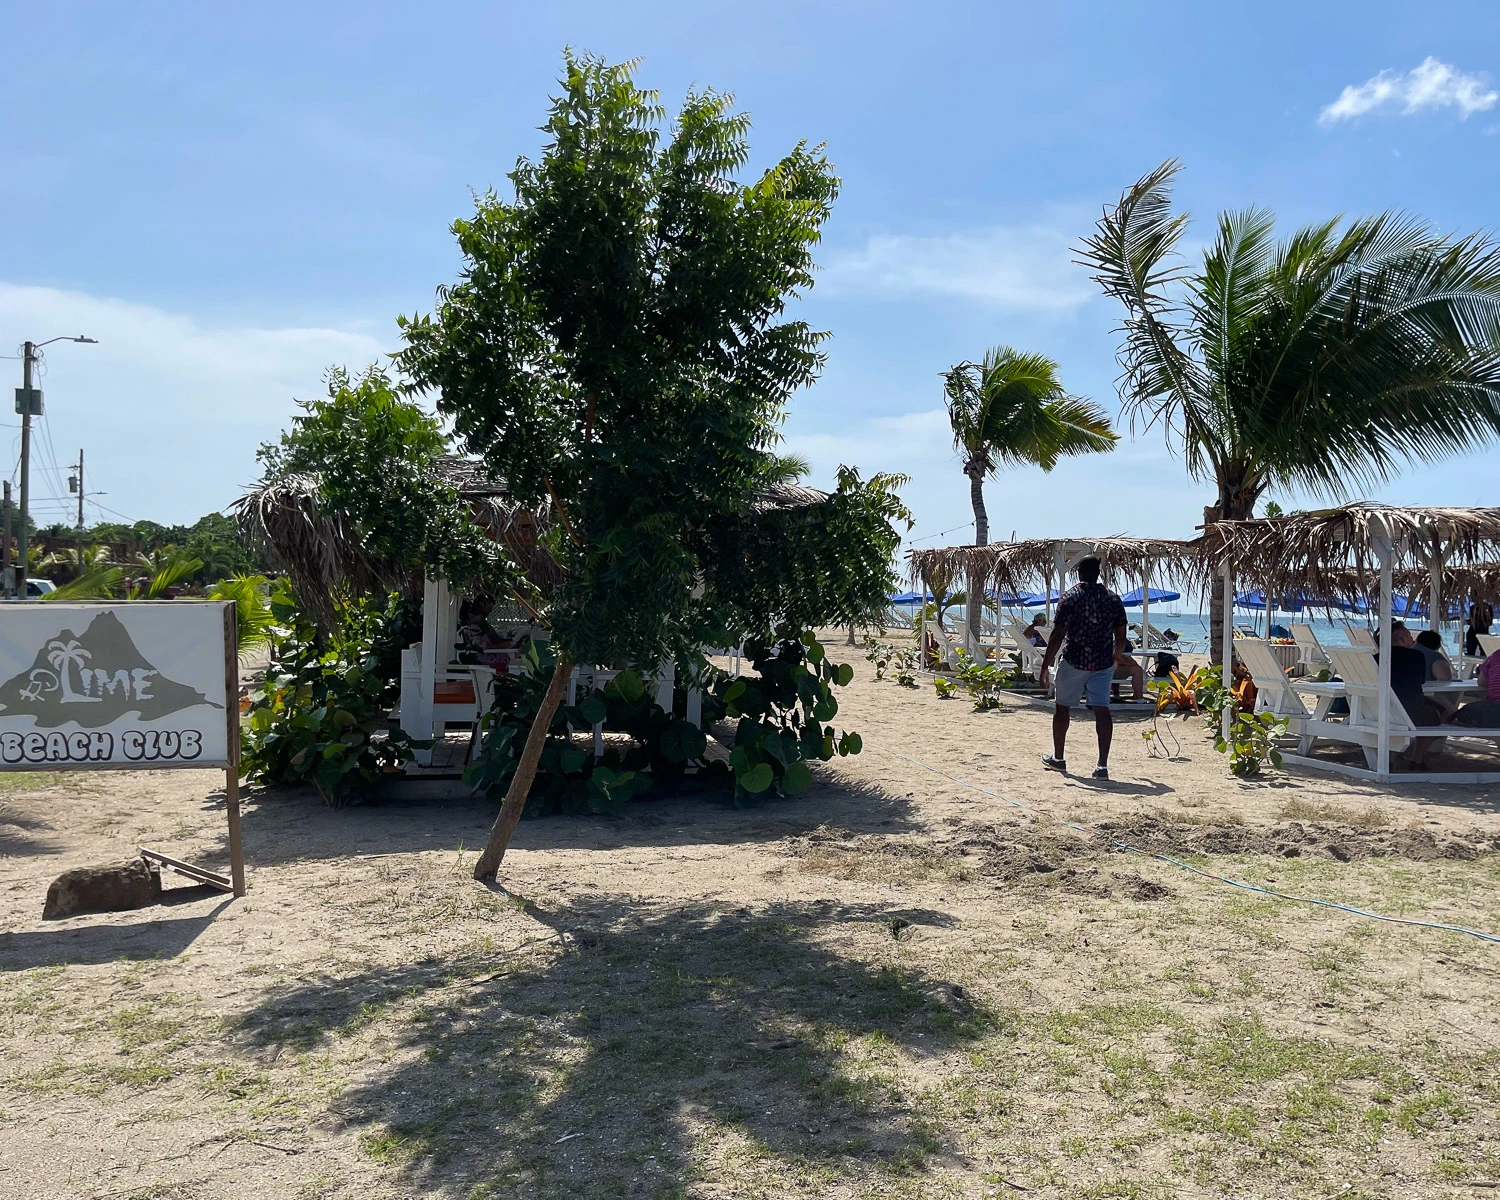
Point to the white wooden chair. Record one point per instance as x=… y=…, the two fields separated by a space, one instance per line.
x=1274 y=692
x=1488 y=642
x=1360 y=636
x=1031 y=656
x=1311 y=657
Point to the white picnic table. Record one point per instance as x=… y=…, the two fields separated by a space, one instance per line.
x=1327 y=693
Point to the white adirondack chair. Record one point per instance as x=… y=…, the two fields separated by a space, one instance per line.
x=1310 y=654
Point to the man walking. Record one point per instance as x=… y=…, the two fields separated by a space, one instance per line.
x=1091 y=621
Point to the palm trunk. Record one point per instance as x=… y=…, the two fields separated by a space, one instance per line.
x=520 y=784
x=1238 y=493
x=975 y=604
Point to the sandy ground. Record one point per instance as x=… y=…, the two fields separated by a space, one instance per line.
x=895 y=985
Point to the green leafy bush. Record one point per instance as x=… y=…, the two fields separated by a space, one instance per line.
x=569 y=778
x=981 y=680
x=946 y=689
x=324 y=699
x=782 y=711
x=1252 y=742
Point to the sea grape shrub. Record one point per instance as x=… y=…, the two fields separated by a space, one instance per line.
x=315 y=717
x=782 y=712
x=569 y=778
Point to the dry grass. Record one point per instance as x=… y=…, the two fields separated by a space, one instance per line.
x=1370 y=817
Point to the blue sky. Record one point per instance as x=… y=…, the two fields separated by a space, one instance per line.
x=230 y=200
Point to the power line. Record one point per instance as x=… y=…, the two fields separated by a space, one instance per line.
x=943 y=533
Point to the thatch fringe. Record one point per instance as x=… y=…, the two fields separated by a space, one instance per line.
x=1333 y=551
x=1028 y=565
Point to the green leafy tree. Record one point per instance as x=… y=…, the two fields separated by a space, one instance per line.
x=373 y=456
x=616 y=348
x=1011 y=410
x=1323 y=361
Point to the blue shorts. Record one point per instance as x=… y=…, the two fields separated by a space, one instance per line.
x=1075 y=686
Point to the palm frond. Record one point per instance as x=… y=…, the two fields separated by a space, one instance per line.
x=95 y=583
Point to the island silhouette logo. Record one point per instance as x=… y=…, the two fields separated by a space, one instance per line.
x=93 y=679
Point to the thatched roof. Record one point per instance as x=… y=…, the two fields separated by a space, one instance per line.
x=1334 y=551
x=1027 y=565
x=322 y=555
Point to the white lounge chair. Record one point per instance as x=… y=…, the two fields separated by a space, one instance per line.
x=1310 y=654
x=1274 y=692
x=1488 y=642
x=1360 y=636
x=1030 y=656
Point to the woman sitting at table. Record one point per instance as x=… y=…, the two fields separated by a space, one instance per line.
x=1484 y=714
x=1429 y=644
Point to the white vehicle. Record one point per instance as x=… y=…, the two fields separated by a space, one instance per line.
x=36 y=588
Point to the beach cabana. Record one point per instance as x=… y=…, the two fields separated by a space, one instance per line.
x=321 y=553
x=1375 y=551
x=1040 y=566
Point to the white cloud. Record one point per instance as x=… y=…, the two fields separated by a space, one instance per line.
x=169 y=411
x=1020 y=267
x=1431 y=85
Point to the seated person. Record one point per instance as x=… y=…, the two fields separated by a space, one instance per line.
x=1408 y=674
x=477 y=639
x=1169 y=636
x=1130 y=668
x=1429 y=644
x=1034 y=633
x=1484 y=714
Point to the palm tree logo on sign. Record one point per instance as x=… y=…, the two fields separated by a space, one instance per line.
x=93 y=679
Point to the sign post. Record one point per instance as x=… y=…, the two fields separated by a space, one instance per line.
x=123 y=685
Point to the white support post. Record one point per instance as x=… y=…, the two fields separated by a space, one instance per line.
x=428 y=689
x=1145 y=612
x=1384 y=552
x=1226 y=642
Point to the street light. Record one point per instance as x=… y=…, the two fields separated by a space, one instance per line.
x=29 y=403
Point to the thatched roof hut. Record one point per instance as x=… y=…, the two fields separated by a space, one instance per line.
x=1338 y=551
x=322 y=554
x=1030 y=564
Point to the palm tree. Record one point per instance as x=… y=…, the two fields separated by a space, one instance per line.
x=1321 y=361
x=1012 y=410
x=164 y=569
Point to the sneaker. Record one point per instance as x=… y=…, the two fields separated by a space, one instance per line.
x=1100 y=773
x=1055 y=764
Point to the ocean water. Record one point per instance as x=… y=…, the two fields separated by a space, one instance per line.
x=1192 y=626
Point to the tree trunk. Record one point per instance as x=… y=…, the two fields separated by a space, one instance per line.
x=520 y=783
x=974 y=604
x=1237 y=497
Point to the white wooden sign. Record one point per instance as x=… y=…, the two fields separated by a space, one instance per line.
x=144 y=685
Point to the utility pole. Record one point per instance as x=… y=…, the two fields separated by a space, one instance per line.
x=7 y=576
x=77 y=485
x=28 y=404
x=25 y=403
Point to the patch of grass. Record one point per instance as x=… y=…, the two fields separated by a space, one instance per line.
x=397 y=1145
x=1327 y=812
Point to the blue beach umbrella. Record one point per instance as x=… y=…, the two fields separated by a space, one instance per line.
x=1157 y=595
x=910 y=598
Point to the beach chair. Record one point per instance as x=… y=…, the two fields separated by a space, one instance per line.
x=1310 y=655
x=1273 y=691
x=1360 y=636
x=1148 y=637
x=1488 y=642
x=1030 y=656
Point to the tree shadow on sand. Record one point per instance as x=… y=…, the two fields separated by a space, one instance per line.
x=284 y=825
x=629 y=1048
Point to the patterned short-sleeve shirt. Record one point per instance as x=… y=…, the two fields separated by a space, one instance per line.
x=1090 y=613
